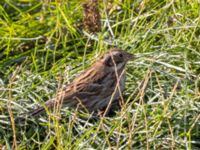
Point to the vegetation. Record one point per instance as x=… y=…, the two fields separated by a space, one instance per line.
x=43 y=46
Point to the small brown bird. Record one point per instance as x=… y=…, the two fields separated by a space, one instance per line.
x=96 y=87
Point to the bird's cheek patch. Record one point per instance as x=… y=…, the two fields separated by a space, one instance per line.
x=109 y=62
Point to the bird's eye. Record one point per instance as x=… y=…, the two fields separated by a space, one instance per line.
x=120 y=55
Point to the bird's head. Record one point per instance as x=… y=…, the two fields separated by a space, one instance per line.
x=116 y=58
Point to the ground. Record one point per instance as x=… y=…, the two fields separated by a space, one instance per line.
x=44 y=45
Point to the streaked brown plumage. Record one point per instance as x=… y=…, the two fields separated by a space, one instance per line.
x=95 y=87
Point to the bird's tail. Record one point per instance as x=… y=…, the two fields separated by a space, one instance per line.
x=40 y=109
x=37 y=111
x=33 y=113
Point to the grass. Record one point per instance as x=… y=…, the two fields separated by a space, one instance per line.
x=42 y=48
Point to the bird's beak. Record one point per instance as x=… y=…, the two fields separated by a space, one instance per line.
x=129 y=56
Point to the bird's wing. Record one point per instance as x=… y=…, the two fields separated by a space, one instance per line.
x=84 y=86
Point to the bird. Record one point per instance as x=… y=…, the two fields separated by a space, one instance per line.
x=95 y=88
